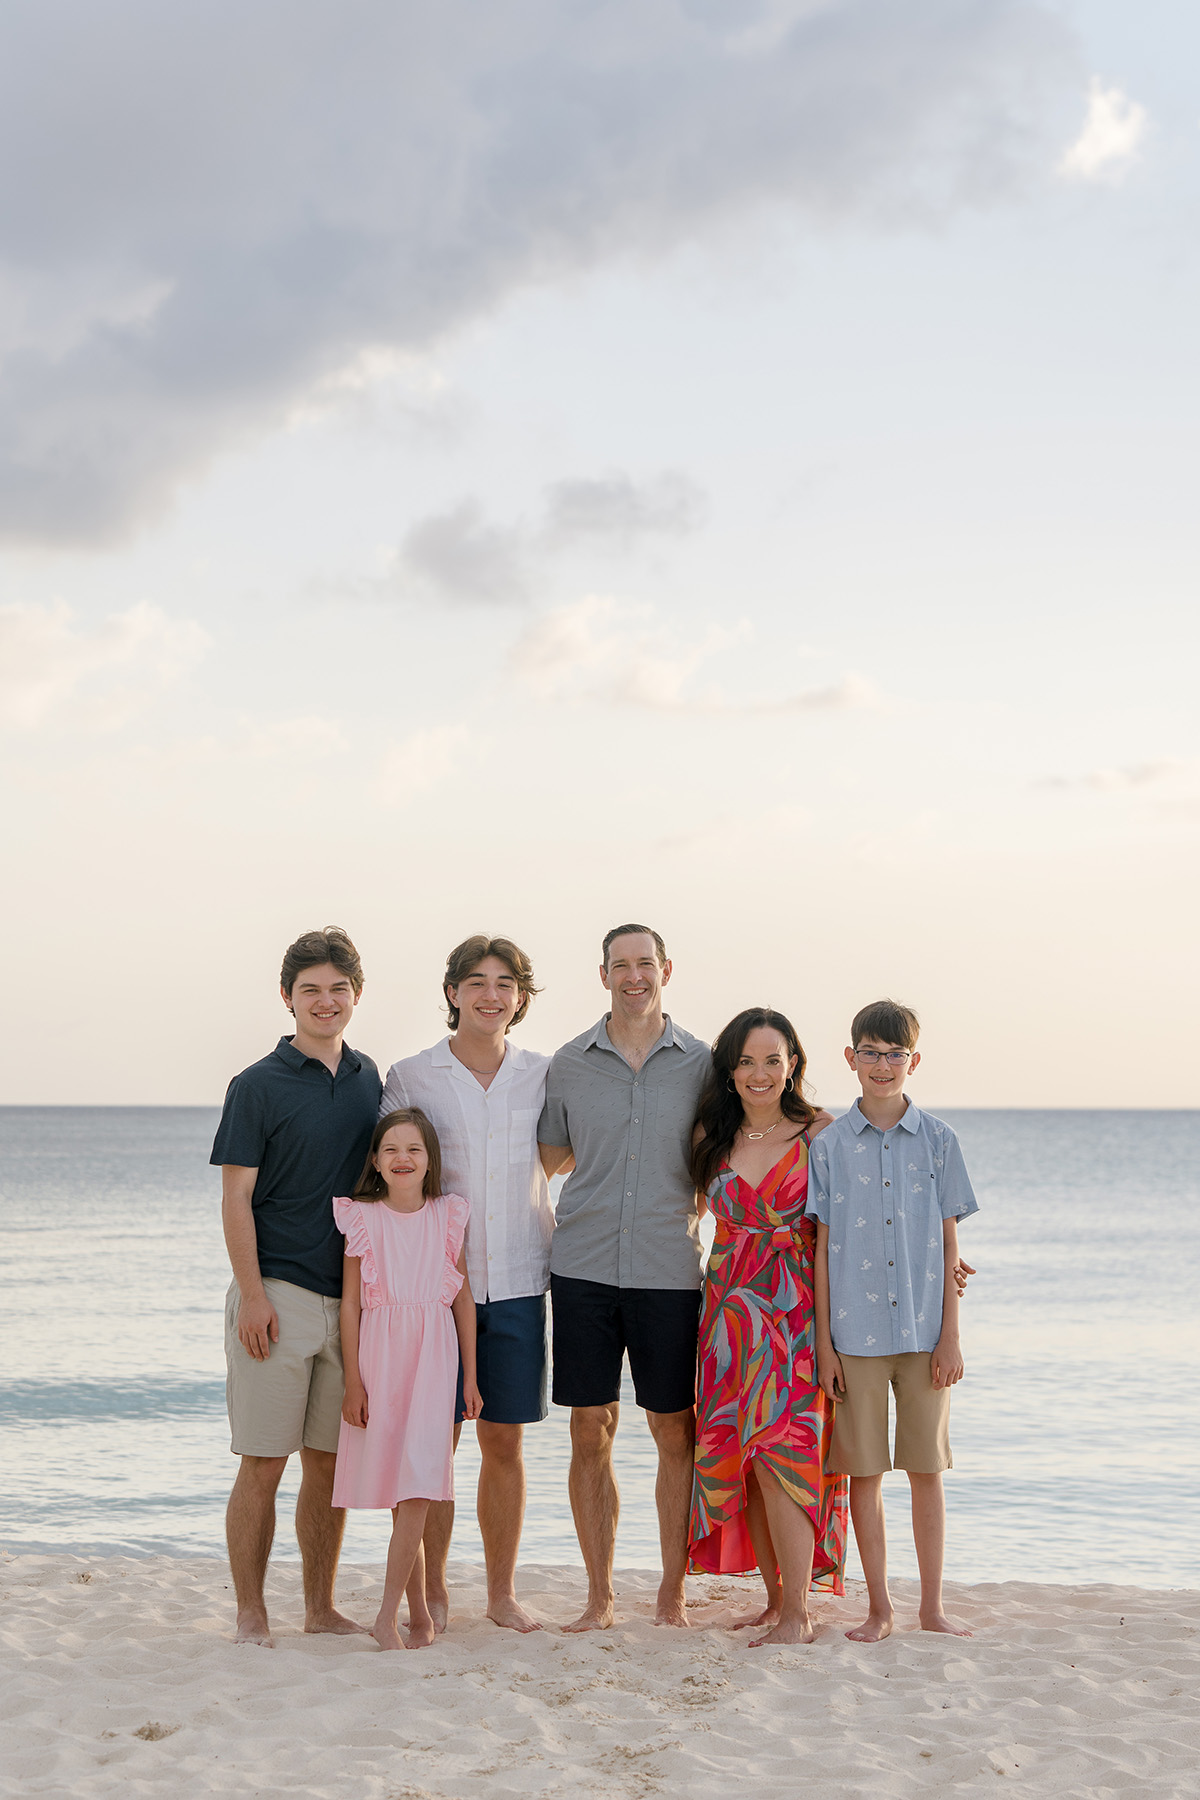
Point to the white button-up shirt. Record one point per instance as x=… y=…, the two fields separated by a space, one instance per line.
x=490 y=1156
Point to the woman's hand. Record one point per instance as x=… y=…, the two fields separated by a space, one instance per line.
x=354 y=1405
x=472 y=1400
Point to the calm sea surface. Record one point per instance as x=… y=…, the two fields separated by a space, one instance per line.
x=1076 y=1432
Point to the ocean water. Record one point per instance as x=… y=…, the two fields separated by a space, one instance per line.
x=1076 y=1432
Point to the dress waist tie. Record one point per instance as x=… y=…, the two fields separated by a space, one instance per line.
x=782 y=1243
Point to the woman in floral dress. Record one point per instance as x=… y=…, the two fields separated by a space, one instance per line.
x=761 y=1496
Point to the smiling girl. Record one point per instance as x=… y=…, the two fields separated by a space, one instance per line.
x=407 y=1313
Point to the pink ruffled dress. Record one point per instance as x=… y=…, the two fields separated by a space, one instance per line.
x=407 y=1351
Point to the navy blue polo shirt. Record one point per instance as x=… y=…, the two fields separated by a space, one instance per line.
x=307 y=1132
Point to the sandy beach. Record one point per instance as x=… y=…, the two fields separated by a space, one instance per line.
x=119 y=1677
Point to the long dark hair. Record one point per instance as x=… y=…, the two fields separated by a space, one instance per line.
x=720 y=1106
x=371 y=1185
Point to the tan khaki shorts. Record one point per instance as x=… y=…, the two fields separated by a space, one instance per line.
x=294 y=1399
x=860 y=1422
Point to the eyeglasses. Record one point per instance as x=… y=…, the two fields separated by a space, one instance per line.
x=895 y=1057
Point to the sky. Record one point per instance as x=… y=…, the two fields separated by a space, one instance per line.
x=519 y=467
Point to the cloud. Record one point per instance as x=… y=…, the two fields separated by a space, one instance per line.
x=210 y=211
x=420 y=761
x=52 y=667
x=1111 y=137
x=1111 y=781
x=615 y=510
x=597 y=650
x=459 y=554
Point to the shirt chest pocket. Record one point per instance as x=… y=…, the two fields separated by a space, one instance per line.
x=522 y=1134
x=923 y=1198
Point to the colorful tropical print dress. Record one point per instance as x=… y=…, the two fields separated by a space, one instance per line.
x=757 y=1393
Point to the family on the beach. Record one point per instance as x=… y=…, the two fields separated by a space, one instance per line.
x=392 y=1246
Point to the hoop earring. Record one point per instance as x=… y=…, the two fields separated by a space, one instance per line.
x=789 y=1085
x=729 y=1084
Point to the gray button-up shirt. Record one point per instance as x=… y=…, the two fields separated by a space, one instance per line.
x=627 y=1215
x=884 y=1195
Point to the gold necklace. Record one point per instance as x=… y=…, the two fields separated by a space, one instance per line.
x=753 y=1136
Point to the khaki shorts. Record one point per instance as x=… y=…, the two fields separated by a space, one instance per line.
x=860 y=1421
x=294 y=1399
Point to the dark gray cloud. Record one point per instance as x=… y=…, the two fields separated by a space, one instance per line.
x=209 y=208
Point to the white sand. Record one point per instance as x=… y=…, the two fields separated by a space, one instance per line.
x=1064 y=1691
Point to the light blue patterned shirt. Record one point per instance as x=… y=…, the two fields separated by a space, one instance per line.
x=884 y=1195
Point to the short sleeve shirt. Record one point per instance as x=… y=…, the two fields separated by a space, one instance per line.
x=627 y=1214
x=307 y=1132
x=488 y=1138
x=884 y=1196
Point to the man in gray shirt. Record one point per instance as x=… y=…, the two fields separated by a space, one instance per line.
x=621 y=1105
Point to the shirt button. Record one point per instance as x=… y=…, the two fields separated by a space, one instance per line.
x=629 y=1193
x=891 y=1265
x=637 y=1121
x=887 y=1184
x=887 y=1221
x=893 y=1303
x=632 y=1156
x=624 y=1231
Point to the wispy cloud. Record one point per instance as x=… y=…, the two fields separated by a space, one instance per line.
x=171 y=289
x=598 y=650
x=420 y=761
x=1112 y=135
x=52 y=667
x=459 y=554
x=1114 y=781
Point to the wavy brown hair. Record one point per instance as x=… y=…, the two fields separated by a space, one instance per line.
x=720 y=1112
x=371 y=1185
x=466 y=957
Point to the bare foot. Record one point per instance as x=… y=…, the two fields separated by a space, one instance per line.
x=252 y=1628
x=335 y=1622
x=439 y=1609
x=797 y=1630
x=873 y=1629
x=386 y=1636
x=596 y=1616
x=768 y=1616
x=508 y=1611
x=939 y=1622
x=421 y=1635
x=671 y=1608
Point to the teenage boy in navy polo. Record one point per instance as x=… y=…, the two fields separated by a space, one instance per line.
x=887 y=1185
x=294 y=1132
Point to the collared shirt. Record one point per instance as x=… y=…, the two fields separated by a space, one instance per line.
x=307 y=1132
x=490 y=1156
x=627 y=1215
x=884 y=1196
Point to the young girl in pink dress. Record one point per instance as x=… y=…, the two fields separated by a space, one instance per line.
x=407 y=1313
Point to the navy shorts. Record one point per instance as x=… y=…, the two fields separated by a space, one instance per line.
x=595 y=1325
x=510 y=1351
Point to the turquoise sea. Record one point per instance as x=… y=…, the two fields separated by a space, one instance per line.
x=1076 y=1435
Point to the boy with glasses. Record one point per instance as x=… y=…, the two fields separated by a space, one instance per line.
x=887 y=1186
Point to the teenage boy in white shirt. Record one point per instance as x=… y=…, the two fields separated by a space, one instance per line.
x=484 y=1096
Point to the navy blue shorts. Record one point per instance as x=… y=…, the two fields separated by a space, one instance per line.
x=594 y=1326
x=510 y=1350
